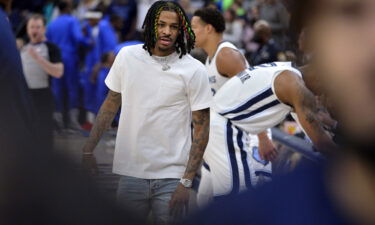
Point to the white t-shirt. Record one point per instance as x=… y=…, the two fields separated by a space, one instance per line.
x=154 y=133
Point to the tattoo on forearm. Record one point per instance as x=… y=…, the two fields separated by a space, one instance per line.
x=309 y=106
x=201 y=124
x=104 y=119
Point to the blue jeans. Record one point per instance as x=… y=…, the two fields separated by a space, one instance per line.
x=142 y=196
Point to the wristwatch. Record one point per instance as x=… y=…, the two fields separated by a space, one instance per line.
x=186 y=182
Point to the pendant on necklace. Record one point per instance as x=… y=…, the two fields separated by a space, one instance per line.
x=165 y=67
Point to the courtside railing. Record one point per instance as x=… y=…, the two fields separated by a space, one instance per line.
x=296 y=144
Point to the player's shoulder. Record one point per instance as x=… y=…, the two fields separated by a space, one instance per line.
x=131 y=50
x=189 y=60
x=193 y=68
x=229 y=56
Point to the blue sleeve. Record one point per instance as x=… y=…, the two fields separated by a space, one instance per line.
x=108 y=39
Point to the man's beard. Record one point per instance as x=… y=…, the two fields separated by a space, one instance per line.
x=172 y=48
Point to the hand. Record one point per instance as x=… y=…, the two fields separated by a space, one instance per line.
x=89 y=164
x=267 y=150
x=179 y=204
x=33 y=53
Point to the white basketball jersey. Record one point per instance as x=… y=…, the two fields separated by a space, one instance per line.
x=216 y=79
x=249 y=101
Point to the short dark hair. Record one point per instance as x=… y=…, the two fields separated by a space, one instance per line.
x=37 y=17
x=212 y=17
x=63 y=6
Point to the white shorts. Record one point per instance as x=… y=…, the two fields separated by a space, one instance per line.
x=233 y=161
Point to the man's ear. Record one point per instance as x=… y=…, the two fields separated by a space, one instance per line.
x=209 y=28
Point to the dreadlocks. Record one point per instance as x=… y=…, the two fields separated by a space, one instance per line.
x=186 y=34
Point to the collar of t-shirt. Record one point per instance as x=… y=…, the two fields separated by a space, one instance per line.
x=165 y=61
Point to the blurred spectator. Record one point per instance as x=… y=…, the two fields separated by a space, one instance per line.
x=268 y=50
x=234 y=27
x=224 y=5
x=85 y=6
x=212 y=5
x=127 y=10
x=102 y=89
x=65 y=31
x=238 y=8
x=48 y=10
x=92 y=57
x=41 y=60
x=104 y=36
x=274 y=12
x=185 y=4
x=248 y=33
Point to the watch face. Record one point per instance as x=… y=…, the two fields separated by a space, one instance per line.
x=187 y=183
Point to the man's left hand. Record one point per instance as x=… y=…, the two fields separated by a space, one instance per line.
x=267 y=150
x=179 y=204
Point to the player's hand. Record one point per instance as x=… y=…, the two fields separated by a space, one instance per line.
x=89 y=164
x=179 y=204
x=32 y=52
x=267 y=150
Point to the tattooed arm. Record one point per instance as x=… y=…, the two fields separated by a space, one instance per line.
x=291 y=89
x=201 y=123
x=103 y=120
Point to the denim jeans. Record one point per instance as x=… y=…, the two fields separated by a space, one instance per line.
x=142 y=196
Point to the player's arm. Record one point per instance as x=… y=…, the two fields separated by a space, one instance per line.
x=201 y=124
x=104 y=119
x=229 y=63
x=291 y=89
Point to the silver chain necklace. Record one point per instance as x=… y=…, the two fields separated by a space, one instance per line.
x=163 y=61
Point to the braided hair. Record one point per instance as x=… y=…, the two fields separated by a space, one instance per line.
x=186 y=37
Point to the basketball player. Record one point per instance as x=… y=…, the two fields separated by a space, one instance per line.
x=162 y=91
x=262 y=96
x=222 y=175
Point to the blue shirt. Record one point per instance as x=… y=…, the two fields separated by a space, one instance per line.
x=104 y=41
x=107 y=36
x=65 y=32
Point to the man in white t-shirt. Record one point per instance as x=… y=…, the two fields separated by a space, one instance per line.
x=161 y=90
